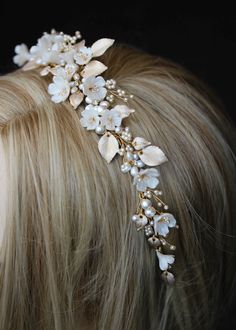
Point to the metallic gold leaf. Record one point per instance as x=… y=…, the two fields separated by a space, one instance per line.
x=152 y=156
x=108 y=146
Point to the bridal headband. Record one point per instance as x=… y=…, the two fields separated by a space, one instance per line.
x=76 y=77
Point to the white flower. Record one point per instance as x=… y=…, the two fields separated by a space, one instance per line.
x=165 y=260
x=67 y=72
x=22 y=54
x=146 y=178
x=162 y=223
x=83 y=56
x=68 y=57
x=90 y=117
x=59 y=90
x=111 y=118
x=93 y=88
x=47 y=50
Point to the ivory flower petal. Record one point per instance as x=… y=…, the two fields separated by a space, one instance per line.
x=146 y=178
x=111 y=119
x=93 y=88
x=100 y=46
x=139 y=143
x=93 y=68
x=162 y=223
x=22 y=54
x=152 y=156
x=124 y=110
x=83 y=56
x=59 y=89
x=90 y=118
x=108 y=146
x=165 y=260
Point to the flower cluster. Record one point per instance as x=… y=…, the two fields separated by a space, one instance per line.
x=76 y=76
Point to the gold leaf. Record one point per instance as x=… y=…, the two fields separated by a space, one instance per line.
x=93 y=68
x=152 y=156
x=100 y=46
x=76 y=99
x=108 y=146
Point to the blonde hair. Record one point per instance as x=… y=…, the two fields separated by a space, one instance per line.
x=71 y=257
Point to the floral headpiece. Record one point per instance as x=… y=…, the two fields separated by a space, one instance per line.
x=76 y=75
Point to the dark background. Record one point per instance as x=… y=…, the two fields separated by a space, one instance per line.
x=202 y=40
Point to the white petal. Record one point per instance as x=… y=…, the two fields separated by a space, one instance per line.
x=53 y=89
x=160 y=228
x=124 y=110
x=93 y=69
x=164 y=260
x=76 y=99
x=152 y=156
x=108 y=146
x=150 y=172
x=141 y=185
x=171 y=218
x=99 y=81
x=57 y=98
x=152 y=182
x=139 y=143
x=101 y=45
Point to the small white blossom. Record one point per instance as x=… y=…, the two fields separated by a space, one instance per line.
x=22 y=54
x=47 y=50
x=165 y=260
x=146 y=178
x=111 y=118
x=68 y=57
x=162 y=223
x=93 y=87
x=59 y=89
x=83 y=56
x=66 y=72
x=90 y=117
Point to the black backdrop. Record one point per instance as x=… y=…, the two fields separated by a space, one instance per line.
x=204 y=41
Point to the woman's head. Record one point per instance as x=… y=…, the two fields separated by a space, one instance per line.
x=70 y=255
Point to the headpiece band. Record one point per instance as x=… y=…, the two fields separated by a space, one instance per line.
x=76 y=75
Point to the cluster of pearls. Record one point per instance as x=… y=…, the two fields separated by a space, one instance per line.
x=68 y=41
x=116 y=92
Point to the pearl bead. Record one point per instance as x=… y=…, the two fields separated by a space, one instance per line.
x=166 y=207
x=134 y=217
x=88 y=100
x=136 y=157
x=145 y=203
x=172 y=247
x=140 y=163
x=104 y=104
x=125 y=167
x=100 y=129
x=134 y=171
x=150 y=212
x=118 y=129
x=127 y=129
x=159 y=204
x=129 y=155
